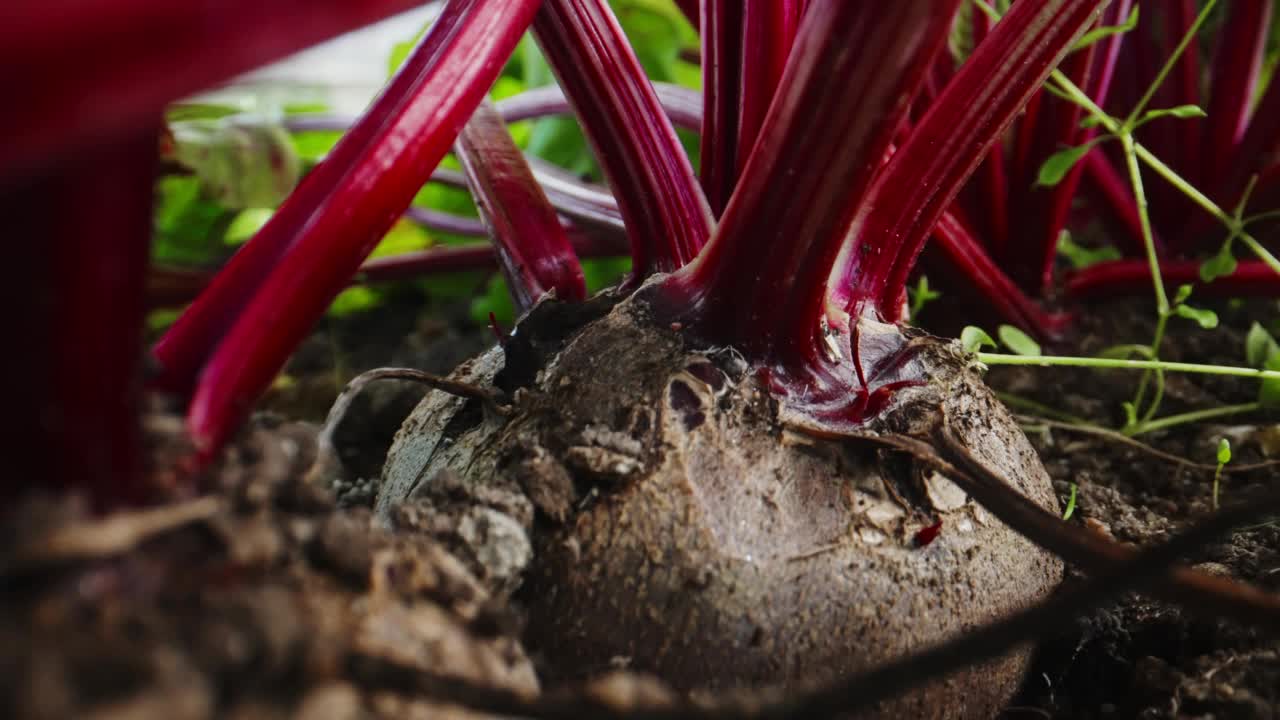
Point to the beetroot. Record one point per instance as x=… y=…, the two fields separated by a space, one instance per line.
x=690 y=525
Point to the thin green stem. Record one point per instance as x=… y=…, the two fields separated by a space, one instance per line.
x=1131 y=121
x=1187 y=418
x=1269 y=215
x=1153 y=352
x=1263 y=254
x=1021 y=403
x=1113 y=126
x=1148 y=238
x=1113 y=364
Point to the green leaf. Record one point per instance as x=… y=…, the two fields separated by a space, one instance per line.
x=604 y=272
x=497 y=300
x=240 y=163
x=354 y=300
x=921 y=295
x=1126 y=352
x=974 y=338
x=1184 y=292
x=1060 y=163
x=1222 y=264
x=1224 y=452
x=1130 y=414
x=179 y=112
x=1259 y=345
x=246 y=224
x=1179 y=111
x=1081 y=257
x=1107 y=31
x=1018 y=341
x=1071 y=503
x=1269 y=393
x=187 y=224
x=1207 y=319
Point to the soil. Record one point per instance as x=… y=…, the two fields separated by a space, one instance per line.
x=269 y=595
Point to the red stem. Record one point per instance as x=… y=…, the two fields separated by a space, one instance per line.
x=991 y=186
x=535 y=254
x=83 y=71
x=1260 y=146
x=1045 y=210
x=666 y=214
x=761 y=282
x=926 y=173
x=722 y=34
x=1237 y=63
x=768 y=32
x=1041 y=212
x=1133 y=277
x=691 y=11
x=396 y=147
x=962 y=257
x=82 y=234
x=172 y=286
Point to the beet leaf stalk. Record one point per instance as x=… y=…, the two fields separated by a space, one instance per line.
x=760 y=283
x=927 y=172
x=340 y=214
x=86 y=70
x=666 y=214
x=534 y=251
x=745 y=45
x=1042 y=212
x=82 y=236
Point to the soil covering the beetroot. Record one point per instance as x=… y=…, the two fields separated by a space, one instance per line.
x=276 y=596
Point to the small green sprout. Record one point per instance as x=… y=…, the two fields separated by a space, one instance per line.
x=1071 y=503
x=1224 y=457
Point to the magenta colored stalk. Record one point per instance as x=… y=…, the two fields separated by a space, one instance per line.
x=1038 y=217
x=666 y=214
x=535 y=253
x=446 y=222
x=963 y=257
x=82 y=71
x=169 y=286
x=722 y=82
x=81 y=231
x=691 y=11
x=925 y=174
x=1164 y=24
x=585 y=203
x=449 y=74
x=1117 y=202
x=1185 y=80
x=682 y=105
x=768 y=32
x=1242 y=43
x=1133 y=277
x=991 y=188
x=1260 y=146
x=1043 y=211
x=855 y=68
